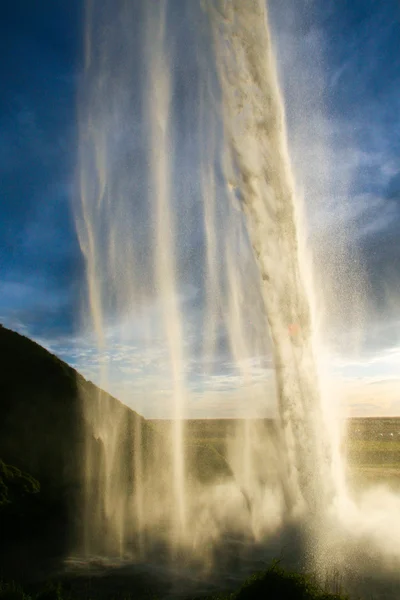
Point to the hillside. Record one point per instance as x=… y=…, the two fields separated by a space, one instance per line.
x=42 y=402
x=44 y=438
x=46 y=410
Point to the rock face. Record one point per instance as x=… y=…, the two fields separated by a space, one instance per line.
x=55 y=430
x=41 y=424
x=44 y=431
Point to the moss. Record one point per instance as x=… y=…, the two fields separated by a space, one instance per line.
x=15 y=486
x=52 y=591
x=12 y=591
x=278 y=583
x=275 y=584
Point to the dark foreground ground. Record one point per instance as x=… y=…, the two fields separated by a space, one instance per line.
x=272 y=583
x=371 y=445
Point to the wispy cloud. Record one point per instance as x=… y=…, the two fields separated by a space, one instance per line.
x=140 y=376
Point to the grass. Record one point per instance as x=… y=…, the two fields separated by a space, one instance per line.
x=275 y=583
x=14 y=591
x=373 y=445
x=380 y=456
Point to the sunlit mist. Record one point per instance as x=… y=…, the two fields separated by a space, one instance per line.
x=216 y=289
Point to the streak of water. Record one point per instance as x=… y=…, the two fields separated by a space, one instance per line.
x=158 y=95
x=257 y=145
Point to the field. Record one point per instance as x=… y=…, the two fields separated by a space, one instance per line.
x=372 y=448
x=371 y=445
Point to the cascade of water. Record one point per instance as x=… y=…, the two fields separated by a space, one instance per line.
x=158 y=96
x=235 y=234
x=130 y=224
x=257 y=160
x=128 y=260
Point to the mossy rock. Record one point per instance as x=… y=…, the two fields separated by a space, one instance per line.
x=15 y=486
x=12 y=591
x=277 y=584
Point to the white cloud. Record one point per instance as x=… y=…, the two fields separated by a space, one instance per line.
x=377 y=398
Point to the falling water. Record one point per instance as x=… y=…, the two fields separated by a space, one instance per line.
x=129 y=261
x=164 y=256
x=193 y=235
x=257 y=160
x=135 y=231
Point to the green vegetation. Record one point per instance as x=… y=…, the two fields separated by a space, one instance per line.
x=378 y=452
x=12 y=591
x=205 y=462
x=372 y=461
x=374 y=445
x=15 y=488
x=15 y=591
x=275 y=584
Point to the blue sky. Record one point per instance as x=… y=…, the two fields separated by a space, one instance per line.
x=355 y=77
